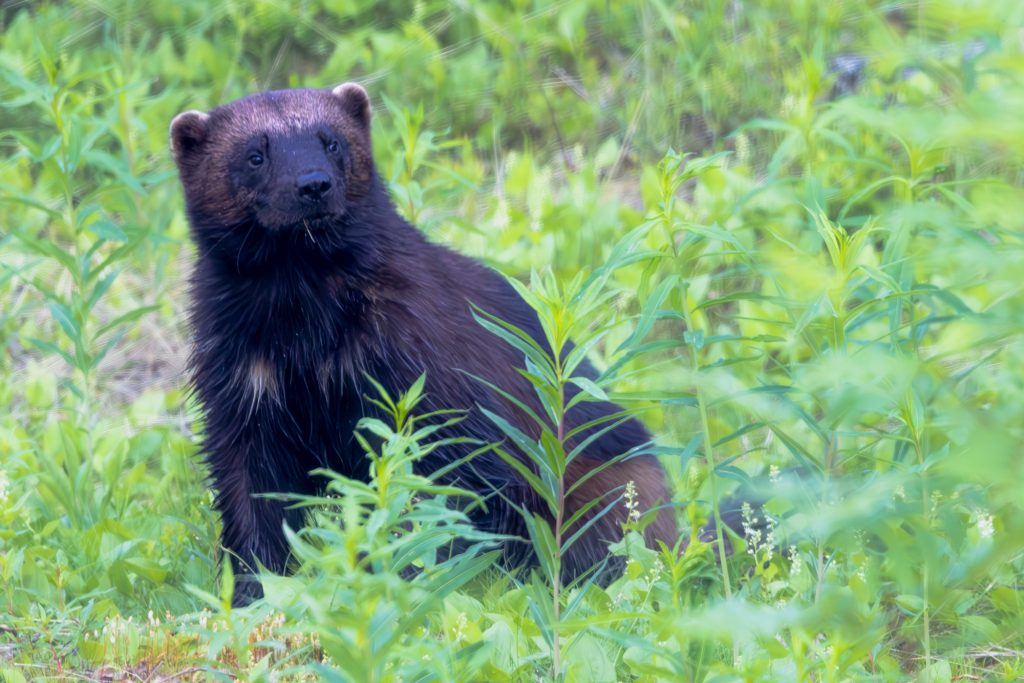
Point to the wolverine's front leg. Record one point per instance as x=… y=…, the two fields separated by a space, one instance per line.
x=252 y=524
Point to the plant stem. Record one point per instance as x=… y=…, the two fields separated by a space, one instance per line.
x=926 y=512
x=556 y=643
x=830 y=450
x=81 y=345
x=712 y=482
x=709 y=455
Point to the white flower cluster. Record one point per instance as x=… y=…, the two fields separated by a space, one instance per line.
x=796 y=563
x=985 y=524
x=655 y=574
x=632 y=500
x=460 y=628
x=759 y=541
x=115 y=629
x=154 y=623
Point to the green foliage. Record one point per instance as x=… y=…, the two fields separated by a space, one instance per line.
x=375 y=570
x=564 y=312
x=816 y=300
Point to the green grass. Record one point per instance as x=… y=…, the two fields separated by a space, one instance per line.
x=779 y=275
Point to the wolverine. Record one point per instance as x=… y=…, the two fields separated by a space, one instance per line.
x=308 y=282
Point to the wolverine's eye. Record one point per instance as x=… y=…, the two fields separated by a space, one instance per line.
x=332 y=147
x=255 y=159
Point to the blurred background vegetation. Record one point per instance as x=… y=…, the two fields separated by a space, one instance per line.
x=826 y=206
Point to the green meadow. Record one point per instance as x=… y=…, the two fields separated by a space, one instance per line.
x=789 y=233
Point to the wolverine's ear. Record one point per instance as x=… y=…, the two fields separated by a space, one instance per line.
x=354 y=101
x=188 y=132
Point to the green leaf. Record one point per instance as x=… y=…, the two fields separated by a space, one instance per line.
x=528 y=446
x=48 y=249
x=50 y=347
x=739 y=432
x=519 y=340
x=649 y=312
x=587 y=658
x=590 y=388
x=535 y=482
x=738 y=296
x=544 y=546
x=108 y=230
x=939 y=671
x=63 y=315
x=694 y=338
x=26 y=200
x=125 y=318
x=578 y=533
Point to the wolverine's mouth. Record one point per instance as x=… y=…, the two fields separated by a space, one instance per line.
x=315 y=223
x=318 y=218
x=311 y=219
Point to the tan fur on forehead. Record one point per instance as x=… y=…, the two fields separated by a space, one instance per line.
x=286 y=111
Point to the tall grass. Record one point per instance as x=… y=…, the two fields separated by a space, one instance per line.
x=805 y=280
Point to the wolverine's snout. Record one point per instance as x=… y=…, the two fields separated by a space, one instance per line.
x=313 y=185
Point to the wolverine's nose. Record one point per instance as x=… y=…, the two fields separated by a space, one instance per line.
x=313 y=185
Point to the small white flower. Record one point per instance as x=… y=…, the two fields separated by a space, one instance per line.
x=795 y=561
x=790 y=106
x=773 y=474
x=4 y=486
x=758 y=540
x=985 y=525
x=460 y=628
x=752 y=535
x=632 y=502
x=747 y=512
x=655 y=573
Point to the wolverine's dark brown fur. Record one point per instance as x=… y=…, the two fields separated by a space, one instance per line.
x=307 y=281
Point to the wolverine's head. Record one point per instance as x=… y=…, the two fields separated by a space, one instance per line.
x=287 y=164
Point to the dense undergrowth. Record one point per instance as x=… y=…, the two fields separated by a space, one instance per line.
x=790 y=233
